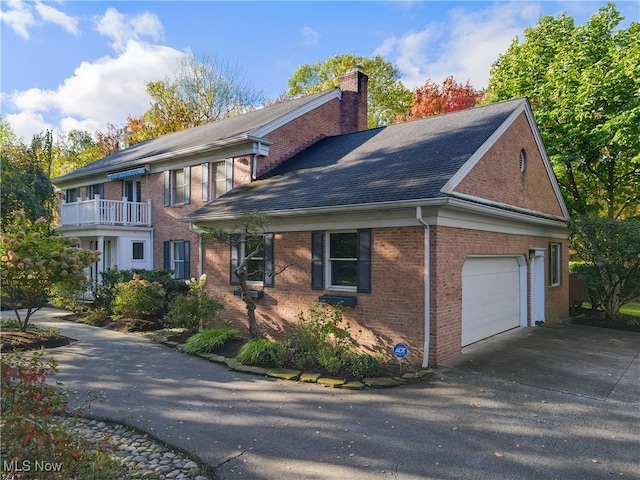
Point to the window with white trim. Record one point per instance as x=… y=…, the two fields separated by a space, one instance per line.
x=71 y=195
x=555 y=264
x=177 y=189
x=342 y=260
x=222 y=181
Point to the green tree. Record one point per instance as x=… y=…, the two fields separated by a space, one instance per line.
x=610 y=251
x=33 y=260
x=200 y=92
x=388 y=97
x=24 y=182
x=584 y=86
x=75 y=150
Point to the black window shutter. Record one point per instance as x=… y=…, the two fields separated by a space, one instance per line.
x=317 y=260
x=167 y=255
x=268 y=260
x=234 y=245
x=166 y=192
x=187 y=259
x=364 y=260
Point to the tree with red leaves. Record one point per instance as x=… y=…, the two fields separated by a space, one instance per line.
x=434 y=99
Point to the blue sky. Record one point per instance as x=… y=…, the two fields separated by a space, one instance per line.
x=84 y=64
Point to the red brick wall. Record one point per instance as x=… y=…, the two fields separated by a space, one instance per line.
x=450 y=247
x=393 y=311
x=497 y=175
x=299 y=134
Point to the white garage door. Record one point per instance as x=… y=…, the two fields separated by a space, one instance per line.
x=490 y=297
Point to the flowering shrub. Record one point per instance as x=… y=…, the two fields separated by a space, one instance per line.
x=31 y=434
x=139 y=298
x=33 y=260
x=194 y=309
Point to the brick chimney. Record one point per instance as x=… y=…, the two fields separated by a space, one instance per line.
x=354 y=100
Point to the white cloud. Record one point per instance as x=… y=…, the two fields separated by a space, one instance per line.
x=121 y=28
x=98 y=93
x=18 y=17
x=464 y=46
x=309 y=36
x=53 y=15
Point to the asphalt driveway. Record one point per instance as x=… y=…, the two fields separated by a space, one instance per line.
x=534 y=403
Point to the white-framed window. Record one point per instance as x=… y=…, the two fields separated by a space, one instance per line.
x=255 y=266
x=178 y=259
x=222 y=177
x=555 y=264
x=71 y=195
x=132 y=190
x=342 y=260
x=93 y=190
x=137 y=250
x=177 y=186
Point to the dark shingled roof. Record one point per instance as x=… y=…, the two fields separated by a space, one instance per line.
x=221 y=130
x=401 y=162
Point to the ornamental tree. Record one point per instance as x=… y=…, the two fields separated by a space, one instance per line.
x=433 y=99
x=33 y=259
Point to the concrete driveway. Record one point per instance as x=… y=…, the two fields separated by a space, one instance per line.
x=535 y=403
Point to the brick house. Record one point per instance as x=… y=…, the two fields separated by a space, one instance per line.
x=435 y=233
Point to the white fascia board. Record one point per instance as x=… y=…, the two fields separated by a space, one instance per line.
x=298 y=112
x=455 y=180
x=450 y=212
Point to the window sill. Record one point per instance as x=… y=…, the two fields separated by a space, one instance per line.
x=252 y=293
x=346 y=300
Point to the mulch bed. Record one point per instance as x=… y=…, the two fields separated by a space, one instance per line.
x=595 y=318
x=13 y=340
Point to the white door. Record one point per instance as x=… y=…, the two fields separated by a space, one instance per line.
x=491 y=298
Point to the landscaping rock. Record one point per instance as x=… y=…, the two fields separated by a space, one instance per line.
x=283 y=373
x=331 y=382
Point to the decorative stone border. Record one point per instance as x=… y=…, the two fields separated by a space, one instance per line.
x=300 y=376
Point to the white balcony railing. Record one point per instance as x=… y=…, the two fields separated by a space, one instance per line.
x=105 y=212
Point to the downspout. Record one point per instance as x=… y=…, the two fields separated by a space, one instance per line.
x=427 y=286
x=254 y=166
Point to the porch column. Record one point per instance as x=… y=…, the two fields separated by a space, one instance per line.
x=100 y=263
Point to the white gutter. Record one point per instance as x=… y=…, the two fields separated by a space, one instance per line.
x=427 y=285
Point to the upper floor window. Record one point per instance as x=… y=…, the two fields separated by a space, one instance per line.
x=92 y=190
x=132 y=190
x=71 y=195
x=222 y=180
x=555 y=264
x=177 y=186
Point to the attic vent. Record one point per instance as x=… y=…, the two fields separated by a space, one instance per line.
x=523 y=160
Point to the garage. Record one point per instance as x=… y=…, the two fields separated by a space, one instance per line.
x=492 y=294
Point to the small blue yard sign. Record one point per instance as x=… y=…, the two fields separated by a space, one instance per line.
x=400 y=350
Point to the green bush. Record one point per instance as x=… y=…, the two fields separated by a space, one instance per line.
x=139 y=299
x=262 y=352
x=194 y=309
x=209 y=341
x=98 y=317
x=319 y=339
x=29 y=431
x=105 y=293
x=363 y=366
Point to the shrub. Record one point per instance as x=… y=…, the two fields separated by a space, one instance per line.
x=139 y=299
x=29 y=431
x=195 y=309
x=319 y=340
x=263 y=352
x=363 y=366
x=209 y=341
x=105 y=293
x=98 y=317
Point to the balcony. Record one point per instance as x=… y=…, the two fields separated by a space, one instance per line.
x=105 y=212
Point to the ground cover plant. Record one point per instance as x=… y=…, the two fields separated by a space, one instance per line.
x=209 y=340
